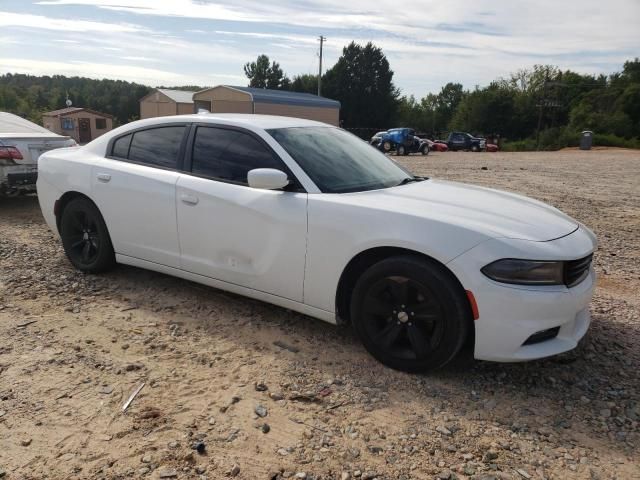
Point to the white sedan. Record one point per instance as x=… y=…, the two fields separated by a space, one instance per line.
x=21 y=143
x=309 y=217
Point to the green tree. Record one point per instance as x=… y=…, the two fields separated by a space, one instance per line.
x=263 y=74
x=363 y=82
x=306 y=83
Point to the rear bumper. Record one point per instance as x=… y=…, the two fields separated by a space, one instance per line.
x=509 y=315
x=15 y=178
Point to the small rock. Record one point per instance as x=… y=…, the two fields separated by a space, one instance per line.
x=301 y=475
x=261 y=387
x=173 y=444
x=265 y=428
x=25 y=442
x=345 y=476
x=283 y=452
x=261 y=411
x=168 y=473
x=235 y=470
x=443 y=430
x=106 y=390
x=444 y=475
x=3 y=472
x=212 y=421
x=130 y=367
x=144 y=470
x=104 y=437
x=276 y=396
x=199 y=447
x=523 y=473
x=489 y=456
x=2 y=413
x=605 y=413
x=484 y=168
x=146 y=459
x=200 y=469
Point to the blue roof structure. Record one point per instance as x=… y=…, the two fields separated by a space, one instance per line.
x=263 y=95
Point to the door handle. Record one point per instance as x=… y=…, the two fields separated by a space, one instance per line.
x=104 y=177
x=189 y=199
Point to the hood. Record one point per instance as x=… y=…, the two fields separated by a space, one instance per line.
x=491 y=212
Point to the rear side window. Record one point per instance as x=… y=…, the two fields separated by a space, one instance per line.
x=229 y=155
x=155 y=146
x=121 y=146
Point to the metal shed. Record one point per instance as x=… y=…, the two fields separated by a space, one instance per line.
x=231 y=99
x=163 y=101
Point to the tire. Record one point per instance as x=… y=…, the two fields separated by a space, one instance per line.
x=401 y=150
x=425 y=150
x=386 y=147
x=475 y=148
x=422 y=334
x=85 y=237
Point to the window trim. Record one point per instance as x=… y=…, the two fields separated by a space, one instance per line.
x=181 y=151
x=295 y=186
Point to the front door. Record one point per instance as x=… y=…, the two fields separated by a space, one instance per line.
x=84 y=130
x=231 y=232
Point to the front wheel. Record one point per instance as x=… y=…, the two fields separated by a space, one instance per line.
x=401 y=150
x=85 y=237
x=475 y=148
x=425 y=150
x=410 y=314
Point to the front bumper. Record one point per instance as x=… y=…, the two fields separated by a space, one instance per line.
x=510 y=314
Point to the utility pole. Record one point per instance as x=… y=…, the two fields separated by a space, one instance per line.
x=322 y=39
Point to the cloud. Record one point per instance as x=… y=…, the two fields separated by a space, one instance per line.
x=10 y=19
x=427 y=42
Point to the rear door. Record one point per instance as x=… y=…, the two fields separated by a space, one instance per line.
x=232 y=232
x=135 y=189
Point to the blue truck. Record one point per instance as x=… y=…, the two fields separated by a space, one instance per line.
x=402 y=140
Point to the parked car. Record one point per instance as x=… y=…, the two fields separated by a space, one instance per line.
x=465 y=141
x=21 y=143
x=375 y=140
x=307 y=216
x=403 y=140
x=492 y=147
x=437 y=145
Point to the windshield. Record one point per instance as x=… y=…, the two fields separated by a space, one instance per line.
x=338 y=161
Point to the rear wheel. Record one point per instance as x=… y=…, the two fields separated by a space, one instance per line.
x=425 y=149
x=85 y=237
x=409 y=313
x=401 y=150
x=475 y=148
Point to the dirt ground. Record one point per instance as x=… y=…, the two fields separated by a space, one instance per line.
x=221 y=398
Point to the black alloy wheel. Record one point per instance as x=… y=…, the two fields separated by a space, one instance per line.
x=85 y=237
x=410 y=313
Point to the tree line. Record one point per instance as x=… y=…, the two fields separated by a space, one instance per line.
x=541 y=107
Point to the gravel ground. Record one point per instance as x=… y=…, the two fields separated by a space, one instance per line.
x=238 y=388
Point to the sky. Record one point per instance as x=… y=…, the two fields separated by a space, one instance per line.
x=207 y=42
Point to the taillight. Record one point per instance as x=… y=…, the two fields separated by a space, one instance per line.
x=9 y=154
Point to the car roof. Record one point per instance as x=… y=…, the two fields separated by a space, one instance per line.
x=14 y=126
x=238 y=119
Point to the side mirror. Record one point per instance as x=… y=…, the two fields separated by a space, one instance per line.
x=267 y=178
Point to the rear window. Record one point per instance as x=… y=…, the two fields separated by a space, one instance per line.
x=155 y=146
x=121 y=146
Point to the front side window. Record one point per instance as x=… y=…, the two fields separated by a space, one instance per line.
x=156 y=146
x=229 y=154
x=338 y=161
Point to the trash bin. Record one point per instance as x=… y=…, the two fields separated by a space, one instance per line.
x=586 y=140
